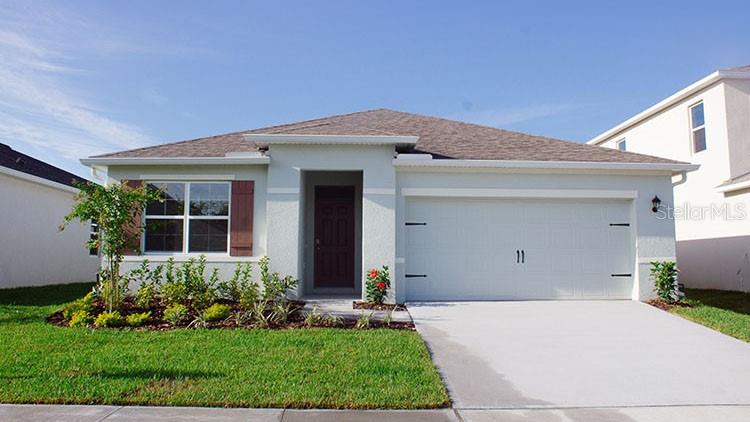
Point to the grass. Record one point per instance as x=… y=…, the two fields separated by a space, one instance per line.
x=724 y=311
x=331 y=368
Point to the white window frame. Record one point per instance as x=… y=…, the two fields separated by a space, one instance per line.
x=694 y=129
x=622 y=141
x=186 y=217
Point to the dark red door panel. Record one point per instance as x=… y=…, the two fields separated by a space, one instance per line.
x=334 y=236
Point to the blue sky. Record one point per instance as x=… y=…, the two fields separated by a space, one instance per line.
x=83 y=78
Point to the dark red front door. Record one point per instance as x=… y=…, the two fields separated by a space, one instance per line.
x=334 y=236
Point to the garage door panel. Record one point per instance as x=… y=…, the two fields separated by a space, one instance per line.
x=468 y=249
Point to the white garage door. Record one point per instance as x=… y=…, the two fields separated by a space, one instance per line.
x=511 y=249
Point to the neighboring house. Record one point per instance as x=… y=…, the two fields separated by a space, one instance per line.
x=457 y=211
x=707 y=123
x=35 y=198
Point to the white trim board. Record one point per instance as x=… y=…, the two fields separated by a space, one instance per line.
x=36 y=179
x=187 y=177
x=519 y=193
x=733 y=187
x=559 y=165
x=104 y=161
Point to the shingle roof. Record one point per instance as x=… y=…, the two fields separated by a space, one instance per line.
x=737 y=179
x=745 y=68
x=15 y=160
x=443 y=138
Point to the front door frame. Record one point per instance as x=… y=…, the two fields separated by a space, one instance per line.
x=325 y=196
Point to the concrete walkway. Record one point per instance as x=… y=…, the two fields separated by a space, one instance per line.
x=61 y=413
x=580 y=354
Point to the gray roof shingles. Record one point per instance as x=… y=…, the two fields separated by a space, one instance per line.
x=447 y=139
x=15 y=160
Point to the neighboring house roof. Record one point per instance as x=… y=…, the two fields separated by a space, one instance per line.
x=17 y=161
x=443 y=138
x=740 y=182
x=741 y=72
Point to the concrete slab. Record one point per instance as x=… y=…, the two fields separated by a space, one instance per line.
x=342 y=307
x=626 y=414
x=439 y=415
x=57 y=413
x=194 y=414
x=553 y=354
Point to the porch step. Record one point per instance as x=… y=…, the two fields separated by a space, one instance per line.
x=342 y=307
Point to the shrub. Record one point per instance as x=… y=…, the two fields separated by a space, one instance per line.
x=377 y=285
x=174 y=293
x=363 y=321
x=175 y=314
x=108 y=320
x=261 y=316
x=249 y=296
x=274 y=286
x=203 y=300
x=216 y=312
x=333 y=320
x=281 y=312
x=81 y=319
x=664 y=275
x=188 y=284
x=149 y=281
x=232 y=289
x=111 y=293
x=84 y=304
x=313 y=317
x=136 y=320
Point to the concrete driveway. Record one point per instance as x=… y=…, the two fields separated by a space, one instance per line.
x=555 y=354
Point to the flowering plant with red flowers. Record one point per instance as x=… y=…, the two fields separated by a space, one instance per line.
x=378 y=283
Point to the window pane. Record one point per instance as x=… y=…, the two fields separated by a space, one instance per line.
x=174 y=199
x=209 y=199
x=696 y=114
x=621 y=145
x=163 y=235
x=699 y=140
x=208 y=235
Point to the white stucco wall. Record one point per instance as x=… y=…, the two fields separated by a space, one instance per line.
x=654 y=237
x=33 y=251
x=286 y=201
x=713 y=245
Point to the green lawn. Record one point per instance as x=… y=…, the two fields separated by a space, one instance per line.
x=728 y=312
x=333 y=368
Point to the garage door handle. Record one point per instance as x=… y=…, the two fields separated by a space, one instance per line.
x=518 y=256
x=415 y=275
x=523 y=256
x=621 y=275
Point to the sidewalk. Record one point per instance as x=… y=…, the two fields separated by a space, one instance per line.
x=65 y=413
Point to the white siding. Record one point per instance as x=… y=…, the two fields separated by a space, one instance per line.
x=33 y=251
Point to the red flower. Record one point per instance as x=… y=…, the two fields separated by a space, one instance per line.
x=373 y=273
x=381 y=286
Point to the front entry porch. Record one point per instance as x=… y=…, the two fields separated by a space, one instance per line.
x=332 y=233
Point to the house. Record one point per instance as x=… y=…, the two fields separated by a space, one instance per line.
x=707 y=123
x=457 y=211
x=35 y=198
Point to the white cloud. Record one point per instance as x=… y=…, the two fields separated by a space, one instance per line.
x=39 y=109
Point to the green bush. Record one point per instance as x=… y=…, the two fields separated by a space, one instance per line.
x=84 y=304
x=108 y=320
x=136 y=320
x=81 y=319
x=174 y=293
x=146 y=295
x=664 y=276
x=175 y=314
x=274 y=286
x=203 y=300
x=216 y=312
x=188 y=284
x=239 y=285
x=149 y=281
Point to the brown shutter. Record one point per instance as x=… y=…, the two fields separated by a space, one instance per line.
x=241 y=236
x=133 y=229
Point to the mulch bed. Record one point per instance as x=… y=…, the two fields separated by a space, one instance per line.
x=296 y=319
x=658 y=303
x=378 y=307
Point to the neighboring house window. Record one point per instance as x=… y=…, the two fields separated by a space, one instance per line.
x=698 y=127
x=621 y=145
x=202 y=226
x=94 y=235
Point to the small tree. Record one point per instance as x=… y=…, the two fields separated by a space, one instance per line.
x=113 y=208
x=664 y=275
